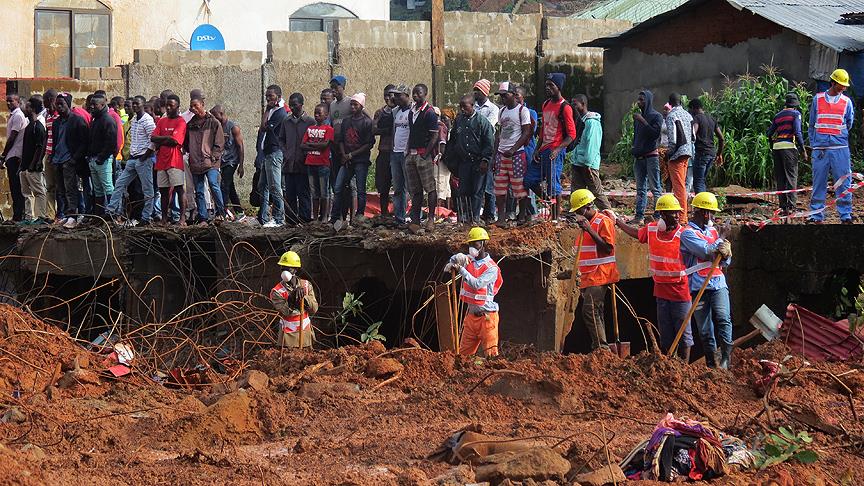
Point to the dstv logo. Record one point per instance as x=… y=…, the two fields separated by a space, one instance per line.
x=201 y=38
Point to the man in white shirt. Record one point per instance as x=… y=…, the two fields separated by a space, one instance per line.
x=402 y=112
x=488 y=110
x=11 y=156
x=510 y=159
x=140 y=164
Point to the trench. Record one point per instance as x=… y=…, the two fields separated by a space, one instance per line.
x=214 y=284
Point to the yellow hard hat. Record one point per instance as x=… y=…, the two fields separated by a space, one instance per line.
x=290 y=259
x=477 y=234
x=705 y=200
x=667 y=202
x=841 y=77
x=581 y=197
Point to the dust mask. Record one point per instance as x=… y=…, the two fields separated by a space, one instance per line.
x=661 y=225
x=710 y=223
x=474 y=252
x=286 y=276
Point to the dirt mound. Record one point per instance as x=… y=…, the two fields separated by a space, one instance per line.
x=231 y=420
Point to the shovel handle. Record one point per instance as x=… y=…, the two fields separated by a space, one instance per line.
x=695 y=301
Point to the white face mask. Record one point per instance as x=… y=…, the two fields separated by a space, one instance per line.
x=286 y=276
x=661 y=225
x=474 y=252
x=710 y=223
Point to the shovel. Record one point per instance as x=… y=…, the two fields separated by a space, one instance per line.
x=765 y=323
x=618 y=348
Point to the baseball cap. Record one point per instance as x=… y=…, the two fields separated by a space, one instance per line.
x=402 y=88
x=340 y=80
x=506 y=87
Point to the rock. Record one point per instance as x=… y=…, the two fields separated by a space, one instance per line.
x=316 y=390
x=190 y=404
x=34 y=451
x=382 y=367
x=77 y=361
x=224 y=388
x=376 y=346
x=539 y=463
x=458 y=476
x=13 y=416
x=52 y=392
x=412 y=476
x=254 y=379
x=78 y=377
x=303 y=445
x=602 y=476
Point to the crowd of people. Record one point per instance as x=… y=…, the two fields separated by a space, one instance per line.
x=140 y=161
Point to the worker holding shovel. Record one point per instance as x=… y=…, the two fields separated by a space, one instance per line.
x=596 y=262
x=671 y=287
x=294 y=299
x=700 y=244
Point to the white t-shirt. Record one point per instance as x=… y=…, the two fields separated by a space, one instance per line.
x=17 y=123
x=511 y=126
x=400 y=129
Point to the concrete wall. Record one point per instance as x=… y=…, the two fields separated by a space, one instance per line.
x=297 y=62
x=229 y=78
x=373 y=53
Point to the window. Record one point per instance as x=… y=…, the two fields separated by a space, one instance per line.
x=70 y=34
x=319 y=17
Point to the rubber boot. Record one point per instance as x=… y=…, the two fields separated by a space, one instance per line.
x=684 y=353
x=710 y=358
x=725 y=356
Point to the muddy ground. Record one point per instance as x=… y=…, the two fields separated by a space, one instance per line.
x=368 y=416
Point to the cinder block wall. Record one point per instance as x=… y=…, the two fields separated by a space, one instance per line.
x=374 y=53
x=229 y=78
x=298 y=62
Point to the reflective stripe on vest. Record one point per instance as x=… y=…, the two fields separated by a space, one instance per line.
x=589 y=259
x=469 y=294
x=830 y=116
x=664 y=257
x=703 y=267
x=292 y=323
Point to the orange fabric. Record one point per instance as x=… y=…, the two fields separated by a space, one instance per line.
x=603 y=274
x=830 y=117
x=479 y=330
x=678 y=176
x=479 y=297
x=664 y=256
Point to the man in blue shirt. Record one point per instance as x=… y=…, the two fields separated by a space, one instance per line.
x=831 y=117
x=700 y=244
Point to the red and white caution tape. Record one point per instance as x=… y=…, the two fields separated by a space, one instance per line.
x=758 y=225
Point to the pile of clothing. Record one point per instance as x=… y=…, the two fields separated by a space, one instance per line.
x=686 y=449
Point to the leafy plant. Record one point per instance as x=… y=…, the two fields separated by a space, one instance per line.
x=787 y=445
x=372 y=333
x=351 y=319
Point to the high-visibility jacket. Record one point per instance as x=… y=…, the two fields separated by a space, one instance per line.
x=830 y=117
x=703 y=267
x=590 y=260
x=664 y=257
x=291 y=323
x=479 y=297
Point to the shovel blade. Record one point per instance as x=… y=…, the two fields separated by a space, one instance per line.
x=622 y=349
x=766 y=322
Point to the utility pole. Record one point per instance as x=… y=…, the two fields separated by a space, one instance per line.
x=437 y=28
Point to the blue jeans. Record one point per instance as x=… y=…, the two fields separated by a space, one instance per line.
x=400 y=197
x=143 y=170
x=647 y=172
x=837 y=162
x=670 y=315
x=297 y=202
x=271 y=182
x=101 y=176
x=359 y=171
x=472 y=187
x=212 y=178
x=490 y=211
x=701 y=165
x=319 y=181
x=713 y=311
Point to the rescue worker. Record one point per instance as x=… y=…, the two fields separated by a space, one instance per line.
x=671 y=288
x=831 y=116
x=286 y=297
x=700 y=243
x=597 y=265
x=481 y=281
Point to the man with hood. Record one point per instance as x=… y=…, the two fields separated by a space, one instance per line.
x=586 y=163
x=647 y=126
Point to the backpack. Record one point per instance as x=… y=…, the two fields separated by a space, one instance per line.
x=562 y=123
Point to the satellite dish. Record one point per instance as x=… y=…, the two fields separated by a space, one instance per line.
x=206 y=37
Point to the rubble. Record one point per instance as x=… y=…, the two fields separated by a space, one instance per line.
x=539 y=464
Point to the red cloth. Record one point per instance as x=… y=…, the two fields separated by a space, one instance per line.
x=553 y=134
x=170 y=157
x=119 y=122
x=675 y=292
x=318 y=134
x=83 y=114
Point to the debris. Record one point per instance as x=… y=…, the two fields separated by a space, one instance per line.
x=820 y=339
x=316 y=390
x=468 y=445
x=539 y=464
x=119 y=370
x=13 y=415
x=382 y=367
x=78 y=377
x=608 y=474
x=34 y=451
x=458 y=476
x=254 y=379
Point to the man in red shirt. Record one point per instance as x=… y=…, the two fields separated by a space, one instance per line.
x=671 y=285
x=316 y=142
x=558 y=129
x=168 y=138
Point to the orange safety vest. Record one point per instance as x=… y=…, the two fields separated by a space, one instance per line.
x=664 y=257
x=479 y=297
x=703 y=267
x=589 y=259
x=830 y=117
x=291 y=324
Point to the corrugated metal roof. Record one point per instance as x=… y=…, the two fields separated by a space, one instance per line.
x=819 y=338
x=632 y=10
x=817 y=19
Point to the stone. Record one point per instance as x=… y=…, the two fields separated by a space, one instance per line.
x=604 y=475
x=539 y=464
x=34 y=451
x=111 y=72
x=317 y=390
x=458 y=476
x=255 y=380
x=87 y=73
x=224 y=388
x=382 y=367
x=145 y=56
x=78 y=377
x=13 y=415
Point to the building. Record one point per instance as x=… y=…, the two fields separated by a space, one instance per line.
x=630 y=10
x=51 y=38
x=699 y=45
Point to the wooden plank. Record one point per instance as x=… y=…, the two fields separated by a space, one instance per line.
x=443 y=304
x=437 y=32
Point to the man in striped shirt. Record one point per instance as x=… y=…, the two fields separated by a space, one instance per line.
x=53 y=177
x=140 y=164
x=787 y=143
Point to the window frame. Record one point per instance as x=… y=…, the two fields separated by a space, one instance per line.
x=72 y=13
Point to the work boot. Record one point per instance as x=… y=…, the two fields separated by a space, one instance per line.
x=684 y=353
x=725 y=356
x=710 y=358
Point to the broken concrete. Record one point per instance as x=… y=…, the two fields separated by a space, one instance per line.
x=539 y=464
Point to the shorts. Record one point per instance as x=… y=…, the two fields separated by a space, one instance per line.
x=319 y=181
x=420 y=174
x=170 y=178
x=547 y=173
x=442 y=180
x=510 y=172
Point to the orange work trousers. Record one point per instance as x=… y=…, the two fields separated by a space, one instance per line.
x=678 y=177
x=482 y=329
